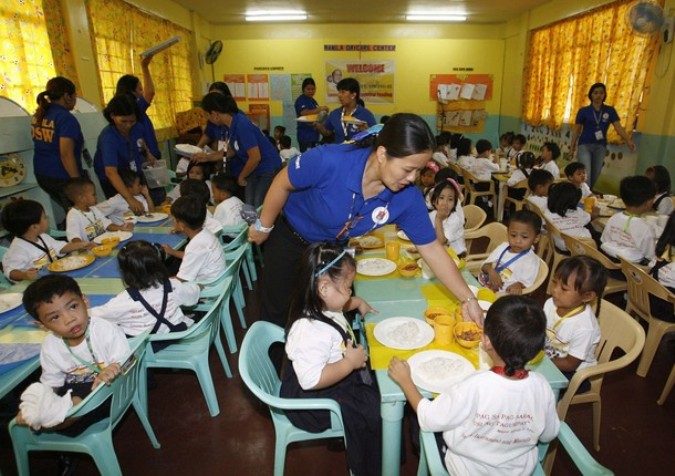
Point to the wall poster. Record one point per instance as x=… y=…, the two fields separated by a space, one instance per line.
x=375 y=77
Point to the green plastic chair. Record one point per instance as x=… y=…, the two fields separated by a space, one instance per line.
x=97 y=440
x=260 y=376
x=190 y=350
x=4 y=282
x=250 y=273
x=431 y=462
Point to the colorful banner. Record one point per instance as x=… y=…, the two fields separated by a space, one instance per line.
x=376 y=78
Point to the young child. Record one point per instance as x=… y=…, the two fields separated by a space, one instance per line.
x=151 y=300
x=539 y=183
x=518 y=146
x=116 y=207
x=428 y=181
x=483 y=165
x=440 y=154
x=663 y=204
x=286 y=152
x=200 y=191
x=564 y=213
x=326 y=362
x=525 y=166
x=77 y=355
x=505 y=148
x=464 y=157
x=196 y=171
x=513 y=266
x=573 y=330
x=452 y=147
x=32 y=248
x=576 y=174
x=228 y=208
x=279 y=132
x=448 y=217
x=203 y=258
x=493 y=419
x=549 y=154
x=84 y=220
x=626 y=234
x=663 y=270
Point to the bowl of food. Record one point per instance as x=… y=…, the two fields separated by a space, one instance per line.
x=101 y=251
x=166 y=209
x=407 y=270
x=412 y=252
x=111 y=241
x=433 y=312
x=468 y=334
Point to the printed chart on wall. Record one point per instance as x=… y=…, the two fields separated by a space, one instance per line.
x=461 y=101
x=258 y=87
x=376 y=78
x=259 y=114
x=237 y=85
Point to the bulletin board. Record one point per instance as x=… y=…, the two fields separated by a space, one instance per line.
x=461 y=101
x=237 y=85
x=259 y=114
x=258 y=87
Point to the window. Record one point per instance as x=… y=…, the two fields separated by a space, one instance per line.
x=120 y=33
x=567 y=57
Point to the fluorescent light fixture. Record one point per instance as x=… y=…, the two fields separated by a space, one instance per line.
x=434 y=17
x=276 y=15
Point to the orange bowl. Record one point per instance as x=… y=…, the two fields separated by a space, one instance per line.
x=101 y=251
x=468 y=334
x=407 y=270
x=111 y=241
x=433 y=312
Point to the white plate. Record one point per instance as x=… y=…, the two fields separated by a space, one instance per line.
x=484 y=305
x=401 y=234
x=457 y=368
x=187 y=150
x=309 y=118
x=9 y=301
x=122 y=235
x=375 y=267
x=152 y=217
x=386 y=332
x=161 y=46
x=12 y=170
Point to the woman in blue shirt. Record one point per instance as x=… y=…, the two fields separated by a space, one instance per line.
x=337 y=192
x=590 y=128
x=308 y=135
x=340 y=123
x=213 y=135
x=57 y=139
x=121 y=146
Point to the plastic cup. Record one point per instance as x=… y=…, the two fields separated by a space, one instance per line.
x=503 y=164
x=393 y=250
x=589 y=203
x=443 y=329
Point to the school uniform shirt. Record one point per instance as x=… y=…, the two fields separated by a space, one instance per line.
x=245 y=135
x=441 y=158
x=204 y=259
x=492 y=424
x=306 y=131
x=466 y=161
x=312 y=344
x=452 y=155
x=666 y=275
x=149 y=129
x=524 y=270
x=665 y=205
x=134 y=319
x=585 y=190
x=629 y=237
x=576 y=335
x=85 y=225
x=228 y=212
x=211 y=224
x=453 y=229
x=23 y=255
x=288 y=154
x=573 y=223
x=59 y=367
x=344 y=131
x=328 y=195
x=552 y=167
x=57 y=123
x=595 y=123
x=174 y=194
x=483 y=167
x=537 y=201
x=518 y=176
x=115 y=150
x=116 y=206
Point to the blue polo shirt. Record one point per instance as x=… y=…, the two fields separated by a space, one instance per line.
x=58 y=122
x=149 y=136
x=592 y=121
x=334 y=123
x=114 y=150
x=245 y=135
x=215 y=132
x=328 y=189
x=306 y=132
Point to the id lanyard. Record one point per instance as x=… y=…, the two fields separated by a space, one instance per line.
x=353 y=220
x=41 y=248
x=572 y=313
x=91 y=366
x=630 y=217
x=92 y=223
x=597 y=118
x=345 y=127
x=501 y=267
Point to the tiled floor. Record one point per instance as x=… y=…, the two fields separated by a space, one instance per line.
x=638 y=436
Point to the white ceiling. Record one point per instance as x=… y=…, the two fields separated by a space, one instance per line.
x=361 y=11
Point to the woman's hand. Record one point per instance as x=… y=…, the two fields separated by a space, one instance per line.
x=135 y=206
x=107 y=375
x=472 y=311
x=257 y=237
x=241 y=181
x=356 y=356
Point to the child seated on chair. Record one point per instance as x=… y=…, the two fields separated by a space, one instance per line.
x=228 y=207
x=573 y=330
x=550 y=152
x=440 y=155
x=464 y=157
x=152 y=301
x=493 y=420
x=626 y=234
x=199 y=190
x=197 y=171
x=539 y=182
x=564 y=213
x=286 y=150
x=32 y=248
x=203 y=259
x=77 y=355
x=116 y=208
x=663 y=203
x=326 y=360
x=518 y=145
x=505 y=148
x=663 y=270
x=514 y=266
x=447 y=217
x=427 y=181
x=483 y=165
x=576 y=174
x=525 y=166
x=84 y=220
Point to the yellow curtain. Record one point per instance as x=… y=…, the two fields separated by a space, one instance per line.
x=566 y=58
x=64 y=64
x=120 y=33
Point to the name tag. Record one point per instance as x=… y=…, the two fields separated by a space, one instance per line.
x=599 y=135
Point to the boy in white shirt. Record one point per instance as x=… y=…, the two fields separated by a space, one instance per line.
x=228 y=208
x=626 y=234
x=85 y=221
x=513 y=266
x=116 y=208
x=576 y=174
x=200 y=190
x=203 y=258
x=483 y=165
x=539 y=183
x=493 y=420
x=286 y=151
x=549 y=154
x=32 y=248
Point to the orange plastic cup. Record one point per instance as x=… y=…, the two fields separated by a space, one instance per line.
x=443 y=329
x=393 y=250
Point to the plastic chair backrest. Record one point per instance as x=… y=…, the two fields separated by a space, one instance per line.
x=240 y=240
x=587 y=247
x=475 y=217
x=496 y=232
x=471 y=180
x=4 y=282
x=233 y=260
x=542 y=274
x=640 y=286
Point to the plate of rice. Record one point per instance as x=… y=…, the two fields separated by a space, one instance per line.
x=404 y=333
x=438 y=370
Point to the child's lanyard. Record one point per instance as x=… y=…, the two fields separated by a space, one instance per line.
x=345 y=127
x=92 y=223
x=500 y=267
x=41 y=248
x=572 y=313
x=630 y=217
x=348 y=333
x=89 y=365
